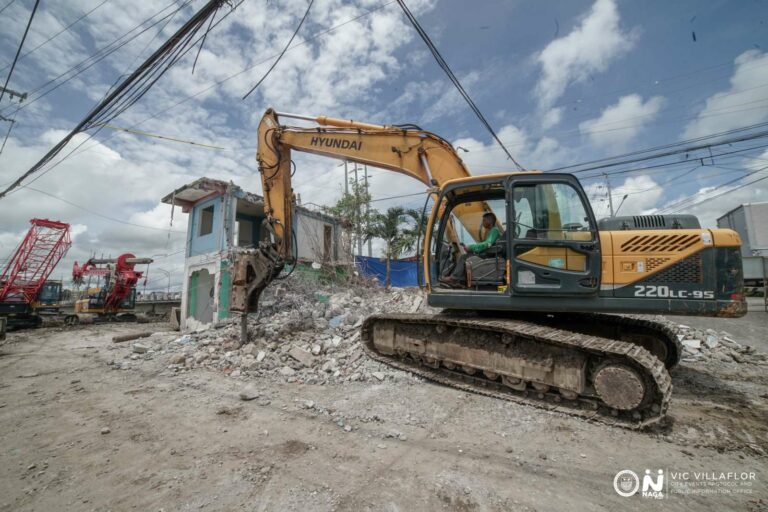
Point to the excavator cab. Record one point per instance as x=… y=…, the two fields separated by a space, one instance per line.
x=549 y=243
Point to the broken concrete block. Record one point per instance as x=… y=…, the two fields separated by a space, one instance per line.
x=692 y=344
x=301 y=356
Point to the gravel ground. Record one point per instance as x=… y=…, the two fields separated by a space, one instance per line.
x=93 y=425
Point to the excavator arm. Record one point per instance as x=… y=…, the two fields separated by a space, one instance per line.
x=405 y=149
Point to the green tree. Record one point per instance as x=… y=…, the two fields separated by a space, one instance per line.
x=351 y=210
x=396 y=228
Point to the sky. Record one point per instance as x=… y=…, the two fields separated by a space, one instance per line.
x=562 y=82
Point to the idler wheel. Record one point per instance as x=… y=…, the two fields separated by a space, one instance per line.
x=619 y=386
x=517 y=384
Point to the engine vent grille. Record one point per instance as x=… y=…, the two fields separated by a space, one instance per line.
x=660 y=243
x=652 y=264
x=649 y=221
x=685 y=271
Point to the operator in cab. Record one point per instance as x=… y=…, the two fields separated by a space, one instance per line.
x=459 y=274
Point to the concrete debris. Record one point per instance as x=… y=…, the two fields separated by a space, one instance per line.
x=708 y=344
x=300 y=334
x=692 y=345
x=301 y=355
x=306 y=333
x=178 y=359
x=249 y=393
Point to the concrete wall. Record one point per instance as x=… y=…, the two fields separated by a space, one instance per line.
x=196 y=305
x=213 y=241
x=310 y=238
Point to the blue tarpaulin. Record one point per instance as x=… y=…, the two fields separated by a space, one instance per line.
x=402 y=273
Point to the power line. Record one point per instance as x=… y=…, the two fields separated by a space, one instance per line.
x=446 y=68
x=665 y=146
x=688 y=149
x=709 y=198
x=282 y=52
x=57 y=34
x=683 y=162
x=11 y=122
x=23 y=38
x=107 y=217
x=230 y=77
x=99 y=55
x=6 y=6
x=133 y=87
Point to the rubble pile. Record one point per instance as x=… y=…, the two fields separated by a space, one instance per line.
x=299 y=335
x=707 y=344
x=310 y=335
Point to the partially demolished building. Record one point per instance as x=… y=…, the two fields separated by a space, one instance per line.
x=225 y=219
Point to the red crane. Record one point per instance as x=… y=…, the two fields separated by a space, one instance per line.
x=46 y=242
x=120 y=277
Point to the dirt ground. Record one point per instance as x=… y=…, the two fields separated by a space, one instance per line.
x=78 y=434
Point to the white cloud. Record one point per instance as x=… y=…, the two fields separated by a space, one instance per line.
x=643 y=194
x=745 y=102
x=618 y=124
x=551 y=118
x=710 y=202
x=124 y=176
x=589 y=48
x=483 y=158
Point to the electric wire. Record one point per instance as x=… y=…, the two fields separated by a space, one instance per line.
x=185 y=99
x=11 y=122
x=57 y=34
x=687 y=200
x=709 y=198
x=21 y=44
x=671 y=145
x=446 y=68
x=7 y=6
x=127 y=93
x=282 y=52
x=96 y=57
x=98 y=214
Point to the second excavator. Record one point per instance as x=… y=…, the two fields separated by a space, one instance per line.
x=532 y=314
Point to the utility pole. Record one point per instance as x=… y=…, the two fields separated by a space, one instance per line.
x=367 y=210
x=12 y=93
x=346 y=179
x=10 y=120
x=610 y=196
x=357 y=211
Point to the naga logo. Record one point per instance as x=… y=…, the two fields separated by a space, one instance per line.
x=336 y=143
x=627 y=483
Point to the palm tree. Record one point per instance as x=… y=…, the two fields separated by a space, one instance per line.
x=394 y=228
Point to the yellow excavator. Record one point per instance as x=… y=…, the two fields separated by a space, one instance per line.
x=543 y=315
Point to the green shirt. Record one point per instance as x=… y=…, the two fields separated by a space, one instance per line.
x=493 y=235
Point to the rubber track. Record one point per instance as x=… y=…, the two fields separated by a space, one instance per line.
x=587 y=407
